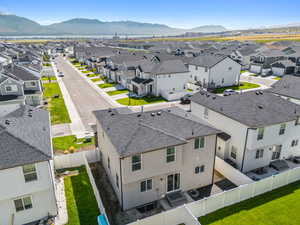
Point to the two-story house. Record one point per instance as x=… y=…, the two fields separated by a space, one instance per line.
x=260 y=126
x=148 y=155
x=212 y=71
x=20 y=81
x=26 y=167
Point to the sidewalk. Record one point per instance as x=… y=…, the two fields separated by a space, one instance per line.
x=77 y=127
x=62 y=217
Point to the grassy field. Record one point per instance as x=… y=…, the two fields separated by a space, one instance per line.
x=66 y=142
x=56 y=106
x=243 y=86
x=261 y=38
x=47 y=78
x=277 y=78
x=140 y=101
x=279 y=207
x=117 y=92
x=107 y=85
x=92 y=75
x=81 y=203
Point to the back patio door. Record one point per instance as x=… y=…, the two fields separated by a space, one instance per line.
x=173 y=182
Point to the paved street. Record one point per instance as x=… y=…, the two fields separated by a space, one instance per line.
x=85 y=98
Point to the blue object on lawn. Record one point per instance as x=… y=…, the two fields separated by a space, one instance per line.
x=102 y=220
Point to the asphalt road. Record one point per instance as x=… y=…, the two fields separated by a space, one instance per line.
x=85 y=98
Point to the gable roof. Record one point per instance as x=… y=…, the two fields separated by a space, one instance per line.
x=288 y=86
x=253 y=108
x=207 y=60
x=20 y=73
x=134 y=133
x=25 y=137
x=164 y=67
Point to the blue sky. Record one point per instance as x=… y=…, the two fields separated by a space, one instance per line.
x=232 y=14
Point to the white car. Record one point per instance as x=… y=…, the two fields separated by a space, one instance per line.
x=229 y=92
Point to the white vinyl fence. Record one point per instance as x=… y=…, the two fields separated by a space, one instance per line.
x=231 y=173
x=221 y=200
x=75 y=159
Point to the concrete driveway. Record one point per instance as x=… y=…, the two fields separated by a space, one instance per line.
x=258 y=80
x=85 y=98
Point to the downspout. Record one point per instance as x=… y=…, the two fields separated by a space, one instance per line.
x=213 y=173
x=52 y=182
x=121 y=184
x=245 y=149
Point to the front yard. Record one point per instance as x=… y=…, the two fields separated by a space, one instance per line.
x=243 y=86
x=81 y=202
x=96 y=79
x=140 y=101
x=56 y=104
x=117 y=92
x=279 y=207
x=107 y=85
x=71 y=143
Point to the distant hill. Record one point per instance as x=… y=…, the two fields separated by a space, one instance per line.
x=15 y=25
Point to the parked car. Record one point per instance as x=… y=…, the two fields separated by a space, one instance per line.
x=186 y=99
x=61 y=74
x=229 y=92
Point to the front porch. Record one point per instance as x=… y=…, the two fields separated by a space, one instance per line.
x=142 y=87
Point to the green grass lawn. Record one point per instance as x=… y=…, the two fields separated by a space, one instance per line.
x=56 y=106
x=140 y=101
x=279 y=207
x=47 y=78
x=107 y=85
x=81 y=202
x=277 y=78
x=92 y=75
x=66 y=142
x=243 y=71
x=96 y=79
x=117 y=92
x=243 y=86
x=87 y=71
x=47 y=64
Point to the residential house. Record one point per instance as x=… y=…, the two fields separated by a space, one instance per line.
x=26 y=167
x=262 y=127
x=212 y=71
x=148 y=155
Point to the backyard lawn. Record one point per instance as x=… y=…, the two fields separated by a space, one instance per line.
x=107 y=85
x=243 y=86
x=81 y=203
x=140 y=101
x=279 y=207
x=56 y=105
x=117 y=92
x=66 y=142
x=96 y=79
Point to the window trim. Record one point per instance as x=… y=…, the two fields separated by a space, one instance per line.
x=260 y=136
x=231 y=152
x=23 y=205
x=10 y=85
x=259 y=153
x=30 y=173
x=146 y=185
x=282 y=128
x=140 y=162
x=199 y=139
x=173 y=154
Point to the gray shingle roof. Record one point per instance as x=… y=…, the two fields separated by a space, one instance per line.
x=20 y=73
x=24 y=139
x=254 y=109
x=207 y=60
x=288 y=86
x=141 y=132
x=164 y=67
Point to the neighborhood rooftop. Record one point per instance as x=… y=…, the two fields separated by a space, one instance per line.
x=254 y=108
x=288 y=86
x=141 y=132
x=24 y=137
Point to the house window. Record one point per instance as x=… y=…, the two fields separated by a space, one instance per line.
x=206 y=69
x=297 y=122
x=171 y=154
x=29 y=172
x=205 y=112
x=199 y=169
x=23 y=203
x=282 y=129
x=259 y=153
x=294 y=143
x=117 y=180
x=260 y=134
x=136 y=163
x=233 y=152
x=11 y=88
x=230 y=68
x=146 y=185
x=276 y=152
x=196 y=67
x=223 y=80
x=199 y=142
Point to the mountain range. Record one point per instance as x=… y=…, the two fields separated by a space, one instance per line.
x=16 y=25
